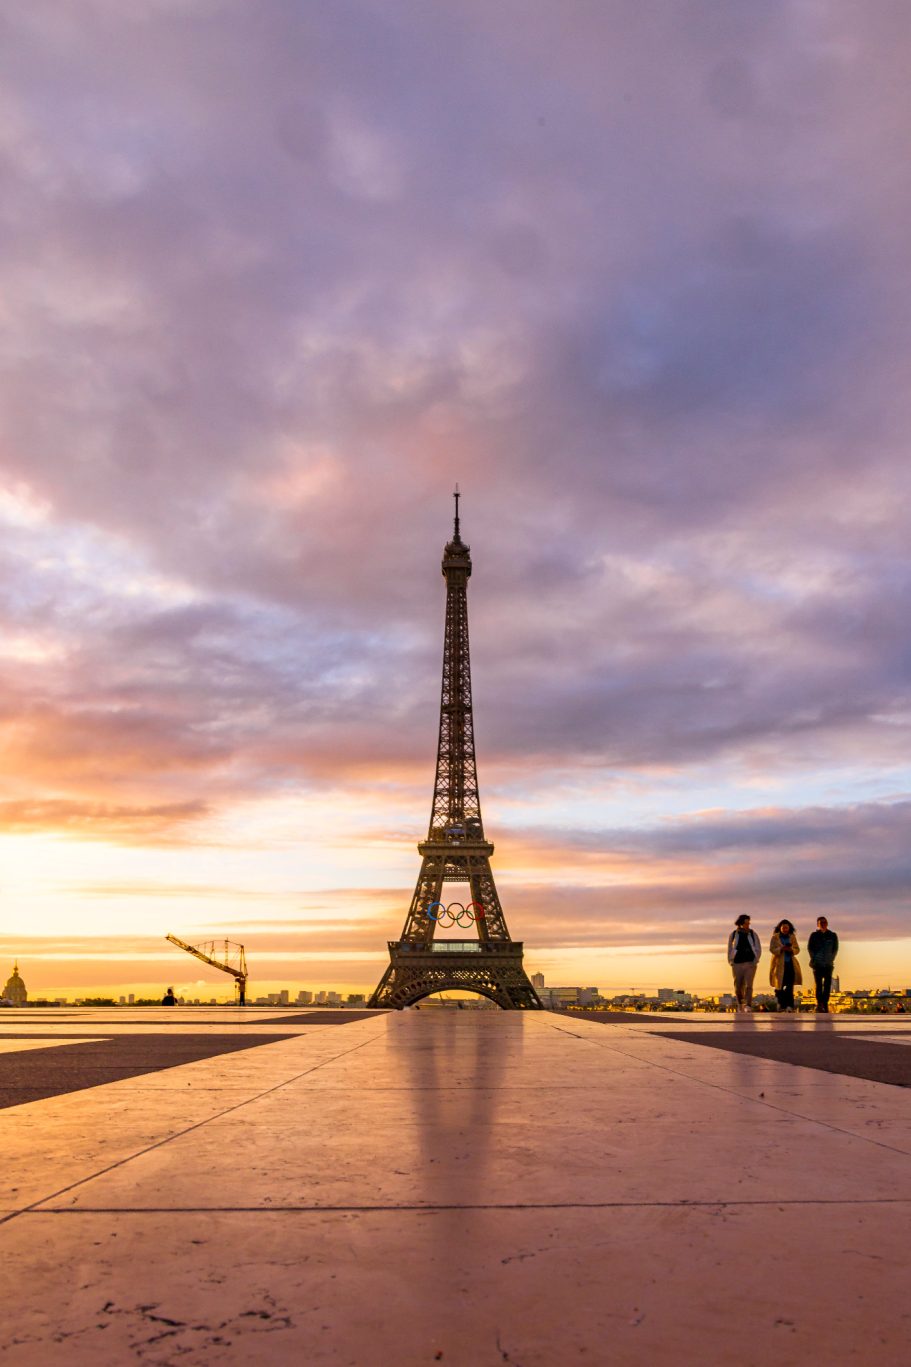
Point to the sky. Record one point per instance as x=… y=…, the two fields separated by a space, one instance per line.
x=273 y=277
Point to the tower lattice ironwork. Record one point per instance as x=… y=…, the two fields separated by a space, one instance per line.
x=456 y=850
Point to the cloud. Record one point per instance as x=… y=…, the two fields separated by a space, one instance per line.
x=273 y=277
x=691 y=876
x=99 y=820
x=875 y=827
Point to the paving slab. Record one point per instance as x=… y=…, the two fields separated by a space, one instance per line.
x=18 y=1044
x=464 y=1188
x=848 y=1055
x=43 y=1068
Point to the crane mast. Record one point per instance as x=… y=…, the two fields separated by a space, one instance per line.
x=207 y=953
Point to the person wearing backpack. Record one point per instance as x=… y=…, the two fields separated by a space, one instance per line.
x=744 y=951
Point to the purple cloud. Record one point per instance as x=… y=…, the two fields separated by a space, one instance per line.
x=275 y=276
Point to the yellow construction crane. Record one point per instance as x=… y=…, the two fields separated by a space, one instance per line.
x=234 y=960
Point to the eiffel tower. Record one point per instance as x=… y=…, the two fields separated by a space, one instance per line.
x=455 y=850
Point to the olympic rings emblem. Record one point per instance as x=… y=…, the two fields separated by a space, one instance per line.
x=455 y=914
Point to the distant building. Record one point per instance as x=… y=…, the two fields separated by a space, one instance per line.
x=568 y=996
x=304 y=998
x=283 y=997
x=678 y=995
x=15 y=990
x=537 y=981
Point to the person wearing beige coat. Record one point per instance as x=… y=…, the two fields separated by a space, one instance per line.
x=784 y=967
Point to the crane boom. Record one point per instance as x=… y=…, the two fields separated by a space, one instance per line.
x=207 y=951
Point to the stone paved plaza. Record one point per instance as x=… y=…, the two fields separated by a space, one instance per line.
x=469 y=1188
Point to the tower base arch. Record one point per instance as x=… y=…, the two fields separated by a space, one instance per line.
x=493 y=970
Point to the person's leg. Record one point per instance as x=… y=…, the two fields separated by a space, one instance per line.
x=820 y=992
x=748 y=977
x=788 y=985
x=738 y=984
x=826 y=987
x=786 y=967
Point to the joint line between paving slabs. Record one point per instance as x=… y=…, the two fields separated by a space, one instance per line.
x=778 y=1204
x=719 y=1087
x=160 y=1143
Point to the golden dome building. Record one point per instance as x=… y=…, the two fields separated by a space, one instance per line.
x=15 y=990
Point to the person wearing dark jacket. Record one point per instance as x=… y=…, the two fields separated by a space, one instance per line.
x=823 y=947
x=169 y=999
x=744 y=950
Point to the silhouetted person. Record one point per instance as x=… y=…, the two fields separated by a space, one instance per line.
x=744 y=951
x=784 y=970
x=169 y=999
x=823 y=947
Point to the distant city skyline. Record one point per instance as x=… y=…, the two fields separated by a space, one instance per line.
x=553 y=996
x=209 y=987
x=638 y=279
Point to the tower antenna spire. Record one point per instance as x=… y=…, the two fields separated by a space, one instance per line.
x=456 y=495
